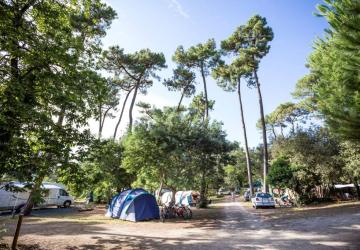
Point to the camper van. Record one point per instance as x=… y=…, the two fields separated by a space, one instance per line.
x=55 y=195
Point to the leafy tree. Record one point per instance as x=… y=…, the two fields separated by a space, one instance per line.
x=183 y=80
x=202 y=57
x=251 y=42
x=197 y=109
x=48 y=84
x=313 y=156
x=333 y=85
x=281 y=173
x=234 y=178
x=100 y=170
x=155 y=150
x=134 y=71
x=229 y=78
x=350 y=153
x=286 y=114
x=173 y=149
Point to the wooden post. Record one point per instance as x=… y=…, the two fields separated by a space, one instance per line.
x=17 y=232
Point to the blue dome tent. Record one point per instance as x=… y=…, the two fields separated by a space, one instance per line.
x=134 y=205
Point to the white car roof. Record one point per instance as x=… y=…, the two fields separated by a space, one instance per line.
x=45 y=185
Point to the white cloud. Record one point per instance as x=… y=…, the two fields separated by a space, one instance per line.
x=174 y=4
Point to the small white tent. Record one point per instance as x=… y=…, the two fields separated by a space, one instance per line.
x=185 y=198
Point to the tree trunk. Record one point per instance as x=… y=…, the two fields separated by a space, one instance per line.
x=103 y=121
x=30 y=202
x=160 y=189
x=100 y=122
x=273 y=131
x=356 y=184
x=131 y=108
x=282 y=130
x=182 y=96
x=173 y=192
x=205 y=93
x=248 y=161
x=121 y=113
x=292 y=127
x=202 y=202
x=265 y=157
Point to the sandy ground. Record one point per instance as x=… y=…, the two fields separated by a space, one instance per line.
x=226 y=225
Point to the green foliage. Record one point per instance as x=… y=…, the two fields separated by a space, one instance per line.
x=251 y=42
x=234 y=178
x=100 y=171
x=132 y=72
x=333 y=86
x=280 y=173
x=202 y=57
x=173 y=149
x=136 y=69
x=350 y=153
x=183 y=80
x=313 y=156
x=287 y=114
x=49 y=86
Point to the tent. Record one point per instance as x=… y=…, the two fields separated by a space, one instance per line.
x=134 y=205
x=185 y=198
x=166 y=198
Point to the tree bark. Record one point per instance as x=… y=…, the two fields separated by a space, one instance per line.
x=121 y=113
x=205 y=93
x=160 y=189
x=202 y=202
x=182 y=96
x=103 y=121
x=30 y=202
x=100 y=121
x=132 y=107
x=266 y=156
x=248 y=161
x=273 y=131
x=356 y=184
x=282 y=130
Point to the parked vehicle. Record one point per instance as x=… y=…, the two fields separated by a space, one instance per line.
x=247 y=196
x=223 y=191
x=14 y=195
x=263 y=200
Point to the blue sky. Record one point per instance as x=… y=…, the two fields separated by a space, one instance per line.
x=162 y=25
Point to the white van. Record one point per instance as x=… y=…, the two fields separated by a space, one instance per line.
x=56 y=195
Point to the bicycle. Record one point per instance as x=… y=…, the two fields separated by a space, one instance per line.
x=167 y=212
x=284 y=203
x=183 y=211
x=173 y=211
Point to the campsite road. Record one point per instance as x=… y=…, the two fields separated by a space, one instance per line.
x=226 y=225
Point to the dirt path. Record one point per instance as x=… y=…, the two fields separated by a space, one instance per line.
x=226 y=225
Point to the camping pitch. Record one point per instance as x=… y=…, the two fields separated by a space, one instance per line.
x=134 y=205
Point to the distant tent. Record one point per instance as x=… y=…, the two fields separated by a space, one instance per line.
x=185 y=198
x=166 y=198
x=134 y=205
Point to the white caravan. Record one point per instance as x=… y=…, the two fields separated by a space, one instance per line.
x=55 y=195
